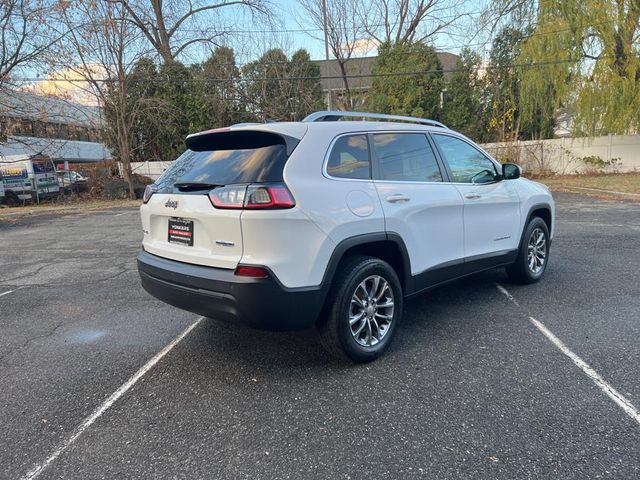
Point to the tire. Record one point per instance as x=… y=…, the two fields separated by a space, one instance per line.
x=371 y=335
x=535 y=241
x=12 y=200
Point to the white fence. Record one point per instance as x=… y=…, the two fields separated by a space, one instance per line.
x=612 y=153
x=149 y=169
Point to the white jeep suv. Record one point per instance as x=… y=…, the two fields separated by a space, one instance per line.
x=332 y=224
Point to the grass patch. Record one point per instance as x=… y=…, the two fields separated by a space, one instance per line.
x=620 y=182
x=78 y=205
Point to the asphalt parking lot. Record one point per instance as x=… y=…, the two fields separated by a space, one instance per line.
x=471 y=388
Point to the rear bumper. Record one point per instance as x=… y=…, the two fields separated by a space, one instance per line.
x=261 y=303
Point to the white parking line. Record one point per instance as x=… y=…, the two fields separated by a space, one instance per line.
x=611 y=392
x=38 y=469
x=120 y=214
x=507 y=294
x=6 y=293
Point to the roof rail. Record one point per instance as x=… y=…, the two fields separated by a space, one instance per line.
x=328 y=116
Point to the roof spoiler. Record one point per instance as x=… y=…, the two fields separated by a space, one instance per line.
x=227 y=139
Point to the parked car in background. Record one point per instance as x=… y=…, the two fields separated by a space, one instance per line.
x=70 y=180
x=333 y=223
x=69 y=177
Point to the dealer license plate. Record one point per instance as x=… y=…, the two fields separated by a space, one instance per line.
x=181 y=231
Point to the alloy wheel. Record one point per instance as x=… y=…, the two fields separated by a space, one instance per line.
x=537 y=251
x=371 y=311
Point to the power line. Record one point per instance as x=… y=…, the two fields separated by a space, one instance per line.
x=300 y=78
x=406 y=52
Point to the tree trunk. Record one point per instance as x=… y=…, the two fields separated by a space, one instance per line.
x=161 y=34
x=125 y=153
x=347 y=91
x=125 y=160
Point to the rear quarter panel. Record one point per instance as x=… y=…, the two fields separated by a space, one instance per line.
x=333 y=210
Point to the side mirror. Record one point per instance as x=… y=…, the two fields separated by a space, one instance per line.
x=511 y=171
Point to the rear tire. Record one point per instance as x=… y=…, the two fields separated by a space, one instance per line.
x=533 y=255
x=11 y=199
x=362 y=310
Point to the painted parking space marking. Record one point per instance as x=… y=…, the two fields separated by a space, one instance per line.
x=602 y=384
x=39 y=468
x=6 y=293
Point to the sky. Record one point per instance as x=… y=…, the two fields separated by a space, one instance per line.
x=291 y=14
x=290 y=32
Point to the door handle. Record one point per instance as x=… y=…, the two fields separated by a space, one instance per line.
x=472 y=196
x=397 y=197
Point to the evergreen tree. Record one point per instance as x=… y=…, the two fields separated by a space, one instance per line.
x=276 y=88
x=177 y=91
x=265 y=88
x=408 y=80
x=463 y=106
x=307 y=91
x=505 y=77
x=218 y=83
x=504 y=85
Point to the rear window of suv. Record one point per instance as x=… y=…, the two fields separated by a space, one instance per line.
x=225 y=167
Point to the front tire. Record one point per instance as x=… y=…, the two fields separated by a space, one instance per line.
x=533 y=255
x=362 y=311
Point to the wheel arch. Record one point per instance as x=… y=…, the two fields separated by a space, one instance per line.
x=387 y=246
x=539 y=210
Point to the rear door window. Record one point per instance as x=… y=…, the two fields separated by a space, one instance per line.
x=350 y=158
x=406 y=157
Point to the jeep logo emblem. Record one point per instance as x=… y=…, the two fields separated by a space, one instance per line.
x=171 y=204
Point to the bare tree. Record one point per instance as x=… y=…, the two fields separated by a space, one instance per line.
x=172 y=26
x=22 y=34
x=23 y=44
x=101 y=50
x=402 y=22
x=345 y=30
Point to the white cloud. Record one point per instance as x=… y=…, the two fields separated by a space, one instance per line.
x=363 y=46
x=70 y=84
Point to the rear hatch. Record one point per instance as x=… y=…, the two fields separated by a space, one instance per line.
x=179 y=219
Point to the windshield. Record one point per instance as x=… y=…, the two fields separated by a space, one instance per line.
x=43 y=166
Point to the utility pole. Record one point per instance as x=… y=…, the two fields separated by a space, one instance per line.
x=326 y=50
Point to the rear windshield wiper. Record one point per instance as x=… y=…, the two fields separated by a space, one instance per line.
x=194 y=186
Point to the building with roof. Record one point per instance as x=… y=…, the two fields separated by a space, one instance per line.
x=65 y=131
x=359 y=70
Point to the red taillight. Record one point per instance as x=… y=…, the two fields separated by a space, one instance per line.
x=250 y=271
x=268 y=196
x=252 y=197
